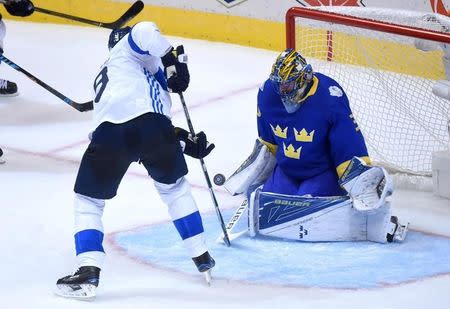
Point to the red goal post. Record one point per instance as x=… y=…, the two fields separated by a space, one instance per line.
x=373 y=54
x=295 y=12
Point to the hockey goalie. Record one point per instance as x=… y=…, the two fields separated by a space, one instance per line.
x=309 y=176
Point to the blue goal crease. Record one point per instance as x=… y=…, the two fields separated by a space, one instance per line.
x=263 y=260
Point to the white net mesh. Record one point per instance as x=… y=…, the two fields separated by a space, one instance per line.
x=388 y=81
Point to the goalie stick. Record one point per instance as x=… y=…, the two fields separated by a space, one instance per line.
x=205 y=173
x=81 y=107
x=135 y=9
x=232 y=223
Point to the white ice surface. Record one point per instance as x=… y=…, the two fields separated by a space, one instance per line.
x=43 y=140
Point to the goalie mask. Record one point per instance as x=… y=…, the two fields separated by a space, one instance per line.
x=291 y=76
x=116 y=35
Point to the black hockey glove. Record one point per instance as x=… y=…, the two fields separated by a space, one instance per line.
x=19 y=7
x=176 y=70
x=197 y=146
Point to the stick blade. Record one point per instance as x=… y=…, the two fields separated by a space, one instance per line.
x=82 y=107
x=135 y=9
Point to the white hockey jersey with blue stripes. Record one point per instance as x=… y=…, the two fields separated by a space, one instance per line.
x=132 y=82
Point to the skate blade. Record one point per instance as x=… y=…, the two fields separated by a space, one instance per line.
x=208 y=277
x=10 y=95
x=85 y=292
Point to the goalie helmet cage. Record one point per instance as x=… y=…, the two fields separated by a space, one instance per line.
x=372 y=54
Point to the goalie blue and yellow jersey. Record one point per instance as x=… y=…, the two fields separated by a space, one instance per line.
x=322 y=134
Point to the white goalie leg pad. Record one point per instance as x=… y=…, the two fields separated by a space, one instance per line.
x=305 y=218
x=2 y=33
x=382 y=227
x=379 y=224
x=181 y=203
x=253 y=212
x=253 y=171
x=367 y=186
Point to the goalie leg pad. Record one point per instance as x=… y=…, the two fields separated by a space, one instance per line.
x=382 y=227
x=305 y=218
x=253 y=171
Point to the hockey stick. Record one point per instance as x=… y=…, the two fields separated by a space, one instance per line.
x=233 y=221
x=205 y=172
x=81 y=107
x=135 y=9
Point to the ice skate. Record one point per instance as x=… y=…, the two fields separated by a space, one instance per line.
x=204 y=264
x=81 y=285
x=7 y=88
x=1 y=154
x=398 y=232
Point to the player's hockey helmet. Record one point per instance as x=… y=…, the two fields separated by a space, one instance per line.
x=116 y=35
x=291 y=75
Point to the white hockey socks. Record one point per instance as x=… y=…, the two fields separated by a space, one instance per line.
x=185 y=215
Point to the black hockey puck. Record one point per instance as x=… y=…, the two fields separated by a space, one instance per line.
x=219 y=179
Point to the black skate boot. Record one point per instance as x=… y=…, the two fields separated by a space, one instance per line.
x=81 y=284
x=1 y=154
x=7 y=88
x=204 y=264
x=398 y=230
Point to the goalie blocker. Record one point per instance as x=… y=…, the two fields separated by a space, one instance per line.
x=364 y=214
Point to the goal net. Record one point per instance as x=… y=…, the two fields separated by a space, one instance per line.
x=373 y=54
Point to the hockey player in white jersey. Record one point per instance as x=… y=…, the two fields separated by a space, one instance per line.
x=132 y=120
x=16 y=8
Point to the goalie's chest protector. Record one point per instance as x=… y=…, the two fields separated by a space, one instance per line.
x=320 y=135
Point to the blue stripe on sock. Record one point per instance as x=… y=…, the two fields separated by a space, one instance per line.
x=190 y=225
x=88 y=240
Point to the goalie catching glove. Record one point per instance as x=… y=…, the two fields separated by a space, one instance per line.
x=176 y=70
x=367 y=186
x=194 y=146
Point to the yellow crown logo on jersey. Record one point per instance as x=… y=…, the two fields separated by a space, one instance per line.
x=303 y=135
x=279 y=132
x=290 y=151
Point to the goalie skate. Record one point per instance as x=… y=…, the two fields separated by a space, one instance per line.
x=81 y=285
x=398 y=232
x=204 y=264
